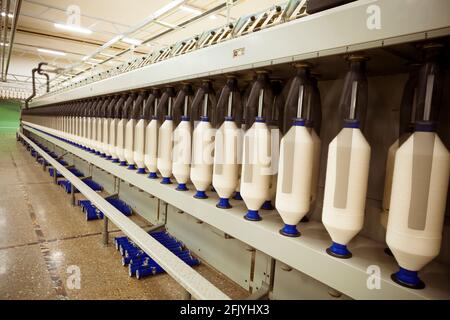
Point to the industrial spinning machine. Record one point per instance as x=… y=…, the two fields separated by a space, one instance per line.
x=283 y=147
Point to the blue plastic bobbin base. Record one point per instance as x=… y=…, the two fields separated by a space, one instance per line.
x=97 y=153
x=141 y=171
x=131 y=167
x=166 y=180
x=407 y=278
x=115 y=160
x=237 y=196
x=108 y=158
x=339 y=251
x=224 y=203
x=290 y=231
x=123 y=163
x=181 y=187
x=252 y=215
x=388 y=252
x=267 y=205
x=92 y=151
x=103 y=155
x=200 y=195
x=153 y=175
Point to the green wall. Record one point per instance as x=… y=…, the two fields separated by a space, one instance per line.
x=9 y=116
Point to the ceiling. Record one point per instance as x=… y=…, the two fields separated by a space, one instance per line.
x=105 y=20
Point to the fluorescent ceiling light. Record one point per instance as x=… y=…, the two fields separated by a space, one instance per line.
x=107 y=54
x=2 y=44
x=88 y=59
x=190 y=10
x=167 y=24
x=134 y=42
x=56 y=53
x=213 y=17
x=10 y=15
x=171 y=5
x=73 y=28
x=113 y=40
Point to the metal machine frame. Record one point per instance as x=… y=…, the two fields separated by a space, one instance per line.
x=336 y=31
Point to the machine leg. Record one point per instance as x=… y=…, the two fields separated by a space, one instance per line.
x=72 y=195
x=55 y=176
x=187 y=295
x=105 y=231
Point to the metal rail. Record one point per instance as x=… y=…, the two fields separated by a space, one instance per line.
x=188 y=278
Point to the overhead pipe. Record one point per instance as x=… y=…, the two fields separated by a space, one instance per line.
x=5 y=33
x=42 y=73
x=13 y=33
x=33 y=81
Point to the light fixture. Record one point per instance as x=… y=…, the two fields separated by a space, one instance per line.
x=3 y=44
x=213 y=17
x=132 y=41
x=73 y=28
x=54 y=52
x=107 y=54
x=88 y=59
x=167 y=24
x=10 y=15
x=113 y=40
x=171 y=5
x=190 y=10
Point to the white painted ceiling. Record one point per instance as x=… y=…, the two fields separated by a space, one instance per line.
x=108 y=19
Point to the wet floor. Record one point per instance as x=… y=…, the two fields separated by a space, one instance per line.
x=49 y=251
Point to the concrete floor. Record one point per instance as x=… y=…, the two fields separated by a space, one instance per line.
x=44 y=241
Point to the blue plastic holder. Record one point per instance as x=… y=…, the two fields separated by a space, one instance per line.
x=93 y=185
x=43 y=162
x=90 y=210
x=290 y=231
x=182 y=187
x=407 y=278
x=141 y=265
x=166 y=180
x=237 y=196
x=252 y=215
x=153 y=175
x=223 y=203
x=131 y=167
x=66 y=185
x=75 y=171
x=200 y=195
x=122 y=163
x=52 y=170
x=121 y=206
x=267 y=205
x=141 y=171
x=339 y=251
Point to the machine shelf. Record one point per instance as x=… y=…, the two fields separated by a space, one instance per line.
x=306 y=253
x=339 y=30
x=187 y=277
